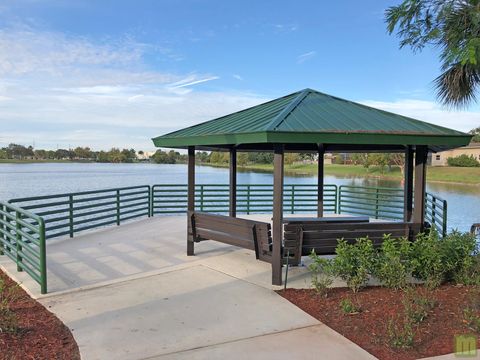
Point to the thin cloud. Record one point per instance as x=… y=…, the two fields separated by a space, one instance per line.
x=285 y=28
x=185 y=83
x=429 y=111
x=305 y=57
x=238 y=77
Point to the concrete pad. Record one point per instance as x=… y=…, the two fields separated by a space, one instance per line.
x=174 y=311
x=113 y=253
x=310 y=343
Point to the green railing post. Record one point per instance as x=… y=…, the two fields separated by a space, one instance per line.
x=376 y=203
x=335 y=206
x=340 y=199
x=70 y=214
x=248 y=199
x=118 y=207
x=2 y=229
x=18 y=227
x=444 y=224
x=292 y=199
x=43 y=257
x=150 y=201
x=433 y=214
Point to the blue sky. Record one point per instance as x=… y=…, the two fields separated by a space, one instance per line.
x=116 y=73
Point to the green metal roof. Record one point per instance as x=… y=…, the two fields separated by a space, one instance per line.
x=311 y=117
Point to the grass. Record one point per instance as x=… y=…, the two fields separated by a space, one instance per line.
x=434 y=173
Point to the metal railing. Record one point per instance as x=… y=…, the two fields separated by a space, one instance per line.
x=22 y=239
x=377 y=203
x=387 y=203
x=436 y=212
x=25 y=226
x=251 y=198
x=67 y=214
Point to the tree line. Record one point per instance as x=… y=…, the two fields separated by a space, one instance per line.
x=114 y=155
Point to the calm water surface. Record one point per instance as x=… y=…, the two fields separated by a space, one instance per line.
x=23 y=180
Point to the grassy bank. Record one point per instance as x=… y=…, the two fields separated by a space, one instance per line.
x=439 y=174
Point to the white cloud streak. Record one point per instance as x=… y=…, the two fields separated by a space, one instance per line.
x=305 y=57
x=430 y=112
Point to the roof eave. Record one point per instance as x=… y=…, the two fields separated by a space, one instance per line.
x=443 y=141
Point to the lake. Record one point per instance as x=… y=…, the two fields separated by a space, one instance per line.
x=23 y=180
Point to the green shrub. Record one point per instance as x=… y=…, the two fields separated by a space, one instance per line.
x=393 y=266
x=463 y=161
x=417 y=305
x=400 y=332
x=459 y=252
x=471 y=314
x=354 y=262
x=426 y=259
x=472 y=318
x=8 y=318
x=349 y=307
x=322 y=273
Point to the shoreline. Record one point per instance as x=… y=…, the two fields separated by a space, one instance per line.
x=435 y=174
x=358 y=171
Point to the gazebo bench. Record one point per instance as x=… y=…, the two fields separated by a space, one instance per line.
x=247 y=234
x=304 y=236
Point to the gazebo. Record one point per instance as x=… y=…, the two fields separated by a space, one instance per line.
x=311 y=121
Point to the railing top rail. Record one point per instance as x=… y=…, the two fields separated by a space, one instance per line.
x=371 y=187
x=22 y=211
x=46 y=197
x=435 y=196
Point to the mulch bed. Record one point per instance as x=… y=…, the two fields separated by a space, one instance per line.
x=41 y=334
x=368 y=328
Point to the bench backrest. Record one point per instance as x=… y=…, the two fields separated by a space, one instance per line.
x=323 y=237
x=247 y=234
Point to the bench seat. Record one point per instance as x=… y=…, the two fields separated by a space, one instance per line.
x=244 y=233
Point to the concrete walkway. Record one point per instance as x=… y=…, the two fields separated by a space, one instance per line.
x=130 y=293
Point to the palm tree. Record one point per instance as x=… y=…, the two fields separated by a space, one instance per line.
x=454 y=27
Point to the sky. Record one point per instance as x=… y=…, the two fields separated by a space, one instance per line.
x=115 y=73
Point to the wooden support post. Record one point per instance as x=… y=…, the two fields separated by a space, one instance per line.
x=190 y=199
x=421 y=153
x=408 y=185
x=233 y=183
x=320 y=181
x=277 y=215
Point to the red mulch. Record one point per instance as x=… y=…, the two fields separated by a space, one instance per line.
x=368 y=329
x=41 y=334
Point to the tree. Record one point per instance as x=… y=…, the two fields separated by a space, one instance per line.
x=453 y=26
x=242 y=159
x=291 y=158
x=476 y=134
x=162 y=157
x=83 y=153
x=62 y=154
x=40 y=154
x=202 y=156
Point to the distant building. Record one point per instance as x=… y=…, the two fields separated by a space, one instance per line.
x=440 y=158
x=144 y=155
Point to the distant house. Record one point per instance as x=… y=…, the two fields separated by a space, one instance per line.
x=440 y=158
x=144 y=155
